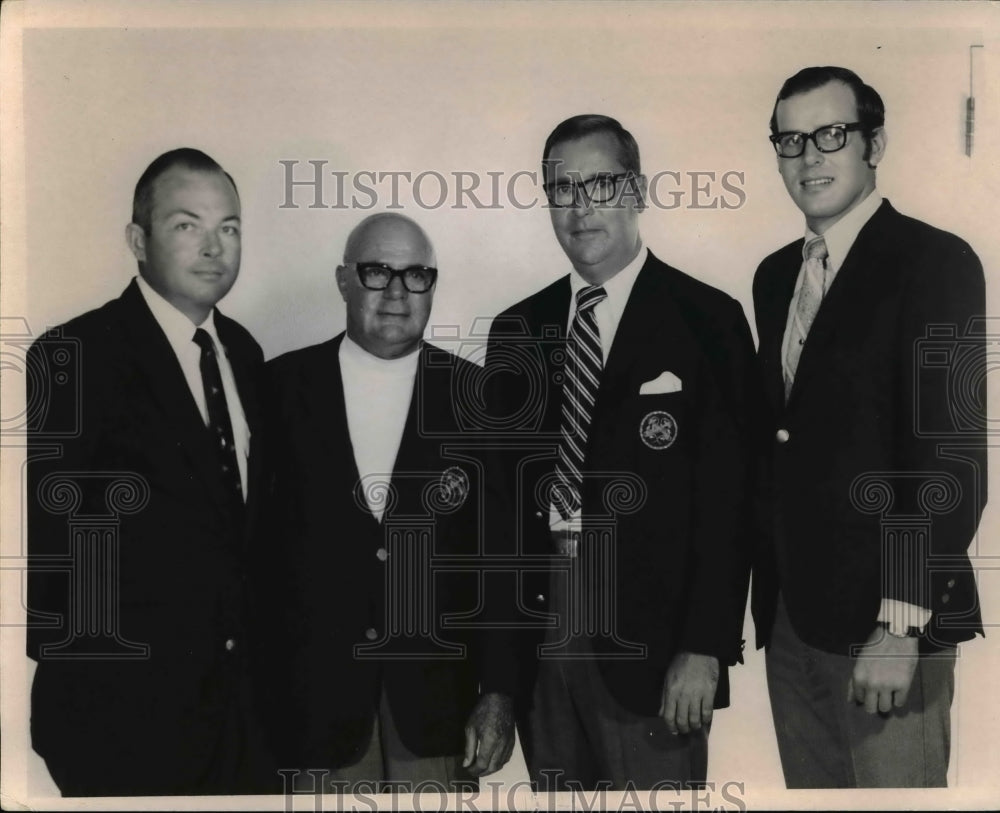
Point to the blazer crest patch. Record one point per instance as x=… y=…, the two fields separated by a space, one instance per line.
x=453 y=487
x=658 y=430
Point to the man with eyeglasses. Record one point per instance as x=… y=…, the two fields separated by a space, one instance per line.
x=626 y=471
x=369 y=685
x=871 y=343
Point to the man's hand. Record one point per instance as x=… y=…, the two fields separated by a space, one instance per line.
x=689 y=692
x=883 y=672
x=489 y=734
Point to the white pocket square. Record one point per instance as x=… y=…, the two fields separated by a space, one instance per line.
x=665 y=382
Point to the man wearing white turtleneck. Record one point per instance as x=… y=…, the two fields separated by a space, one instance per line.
x=374 y=690
x=377 y=398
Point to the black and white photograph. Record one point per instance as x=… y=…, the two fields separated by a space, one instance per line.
x=531 y=404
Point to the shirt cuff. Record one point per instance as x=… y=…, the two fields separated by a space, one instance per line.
x=900 y=616
x=557 y=523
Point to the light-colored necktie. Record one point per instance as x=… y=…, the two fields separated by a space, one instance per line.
x=813 y=272
x=582 y=376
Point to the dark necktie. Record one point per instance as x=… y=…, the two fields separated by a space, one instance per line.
x=811 y=294
x=218 y=415
x=582 y=377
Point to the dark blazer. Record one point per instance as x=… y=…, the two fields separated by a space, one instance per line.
x=145 y=692
x=678 y=512
x=355 y=607
x=879 y=477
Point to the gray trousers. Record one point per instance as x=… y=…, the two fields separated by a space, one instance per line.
x=825 y=741
x=582 y=738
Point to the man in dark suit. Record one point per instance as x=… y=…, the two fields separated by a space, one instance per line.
x=372 y=545
x=871 y=342
x=626 y=390
x=142 y=479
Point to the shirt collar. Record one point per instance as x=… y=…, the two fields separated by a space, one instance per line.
x=178 y=328
x=617 y=288
x=842 y=234
x=357 y=356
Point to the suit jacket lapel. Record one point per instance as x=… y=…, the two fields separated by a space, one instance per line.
x=851 y=285
x=414 y=453
x=328 y=412
x=155 y=358
x=550 y=319
x=771 y=343
x=246 y=372
x=650 y=324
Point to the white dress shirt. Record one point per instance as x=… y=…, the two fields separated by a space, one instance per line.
x=377 y=395
x=608 y=314
x=179 y=330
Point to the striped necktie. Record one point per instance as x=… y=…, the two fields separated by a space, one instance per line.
x=581 y=378
x=811 y=293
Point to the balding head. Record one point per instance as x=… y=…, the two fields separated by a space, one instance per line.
x=386 y=232
x=388 y=323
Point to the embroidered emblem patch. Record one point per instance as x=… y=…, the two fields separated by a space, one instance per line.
x=454 y=487
x=658 y=430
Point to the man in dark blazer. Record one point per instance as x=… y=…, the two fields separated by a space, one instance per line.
x=371 y=552
x=638 y=567
x=143 y=476
x=872 y=347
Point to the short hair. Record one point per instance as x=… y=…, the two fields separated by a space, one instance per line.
x=185 y=157
x=577 y=127
x=870 y=108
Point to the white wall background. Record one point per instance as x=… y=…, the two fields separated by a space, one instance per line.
x=93 y=93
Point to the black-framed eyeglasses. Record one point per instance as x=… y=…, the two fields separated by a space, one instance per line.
x=828 y=138
x=600 y=188
x=417 y=279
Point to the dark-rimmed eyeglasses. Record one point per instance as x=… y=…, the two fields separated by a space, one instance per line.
x=417 y=279
x=828 y=138
x=597 y=189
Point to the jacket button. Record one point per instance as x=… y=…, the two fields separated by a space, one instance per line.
x=230 y=644
x=370 y=634
x=782 y=436
x=382 y=554
x=951 y=583
x=538 y=514
x=945 y=598
x=540 y=598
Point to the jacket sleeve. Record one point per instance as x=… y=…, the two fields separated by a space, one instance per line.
x=940 y=443
x=728 y=453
